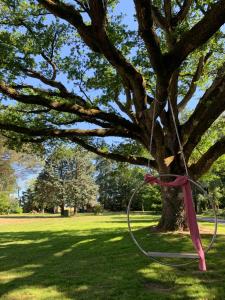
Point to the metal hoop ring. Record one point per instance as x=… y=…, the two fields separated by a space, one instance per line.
x=146 y=253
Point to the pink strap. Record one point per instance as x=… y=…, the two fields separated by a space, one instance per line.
x=190 y=212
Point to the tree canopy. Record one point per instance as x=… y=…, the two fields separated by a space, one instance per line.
x=115 y=74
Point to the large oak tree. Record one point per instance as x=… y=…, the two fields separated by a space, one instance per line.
x=116 y=73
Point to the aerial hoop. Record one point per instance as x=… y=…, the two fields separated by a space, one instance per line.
x=184 y=182
x=156 y=255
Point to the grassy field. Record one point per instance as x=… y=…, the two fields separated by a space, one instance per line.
x=93 y=257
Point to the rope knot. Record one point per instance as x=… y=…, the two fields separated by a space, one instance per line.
x=150 y=179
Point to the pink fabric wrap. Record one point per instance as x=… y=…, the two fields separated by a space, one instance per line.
x=183 y=182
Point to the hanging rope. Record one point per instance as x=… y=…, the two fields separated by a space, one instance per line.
x=152 y=133
x=178 y=137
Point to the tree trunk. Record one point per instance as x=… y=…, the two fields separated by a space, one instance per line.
x=62 y=208
x=142 y=206
x=75 y=210
x=173 y=216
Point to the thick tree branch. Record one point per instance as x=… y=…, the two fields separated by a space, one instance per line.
x=182 y=13
x=60 y=133
x=145 y=21
x=50 y=82
x=97 y=13
x=209 y=108
x=159 y=19
x=197 y=36
x=51 y=93
x=135 y=160
x=167 y=10
x=208 y=158
x=63 y=106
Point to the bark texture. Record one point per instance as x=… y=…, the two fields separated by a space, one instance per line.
x=173 y=216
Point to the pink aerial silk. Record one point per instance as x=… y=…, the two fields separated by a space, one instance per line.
x=183 y=182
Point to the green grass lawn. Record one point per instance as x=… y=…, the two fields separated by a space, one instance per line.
x=92 y=257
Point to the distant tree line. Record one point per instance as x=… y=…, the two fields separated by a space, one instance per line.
x=118 y=181
x=74 y=179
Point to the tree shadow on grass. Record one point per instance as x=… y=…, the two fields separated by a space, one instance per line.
x=102 y=264
x=134 y=218
x=133 y=221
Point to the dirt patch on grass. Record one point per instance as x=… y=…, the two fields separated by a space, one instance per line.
x=202 y=229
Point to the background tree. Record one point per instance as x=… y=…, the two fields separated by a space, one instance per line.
x=173 y=49
x=7 y=173
x=117 y=182
x=27 y=202
x=48 y=191
x=7 y=178
x=66 y=180
x=213 y=180
x=14 y=166
x=81 y=192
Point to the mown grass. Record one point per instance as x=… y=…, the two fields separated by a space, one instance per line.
x=93 y=257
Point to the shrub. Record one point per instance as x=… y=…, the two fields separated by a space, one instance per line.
x=14 y=207
x=98 y=209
